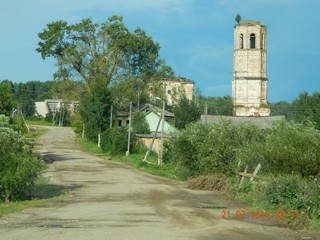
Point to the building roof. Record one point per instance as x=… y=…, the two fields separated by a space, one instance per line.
x=157 y=110
x=154 y=135
x=144 y=108
x=249 y=23
x=179 y=79
x=263 y=122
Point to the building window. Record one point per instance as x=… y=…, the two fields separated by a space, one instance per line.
x=252 y=40
x=241 y=41
x=119 y=123
x=169 y=91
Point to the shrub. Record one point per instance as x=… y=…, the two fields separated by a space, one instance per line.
x=115 y=140
x=77 y=124
x=19 y=168
x=140 y=124
x=4 y=121
x=206 y=149
x=288 y=147
x=290 y=192
x=282 y=191
x=34 y=118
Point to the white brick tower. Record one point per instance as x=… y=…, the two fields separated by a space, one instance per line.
x=249 y=83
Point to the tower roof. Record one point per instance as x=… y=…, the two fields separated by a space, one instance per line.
x=249 y=23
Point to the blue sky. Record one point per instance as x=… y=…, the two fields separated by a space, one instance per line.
x=196 y=38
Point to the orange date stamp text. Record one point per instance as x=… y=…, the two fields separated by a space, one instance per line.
x=259 y=214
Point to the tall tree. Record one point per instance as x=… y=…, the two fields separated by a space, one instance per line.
x=109 y=51
x=306 y=108
x=185 y=112
x=95 y=110
x=7 y=102
x=218 y=105
x=23 y=96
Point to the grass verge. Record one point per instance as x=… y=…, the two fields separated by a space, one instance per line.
x=135 y=159
x=42 y=193
x=39 y=123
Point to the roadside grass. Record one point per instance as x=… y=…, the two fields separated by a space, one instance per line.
x=34 y=134
x=246 y=195
x=42 y=193
x=39 y=122
x=287 y=213
x=135 y=160
x=89 y=146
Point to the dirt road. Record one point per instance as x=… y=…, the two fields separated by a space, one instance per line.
x=112 y=201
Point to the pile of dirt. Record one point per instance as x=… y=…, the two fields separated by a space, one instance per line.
x=215 y=182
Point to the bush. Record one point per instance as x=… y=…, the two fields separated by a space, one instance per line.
x=206 y=149
x=282 y=191
x=140 y=124
x=4 y=121
x=290 y=192
x=19 y=168
x=77 y=124
x=34 y=118
x=288 y=147
x=115 y=140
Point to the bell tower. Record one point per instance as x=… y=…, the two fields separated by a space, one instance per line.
x=250 y=82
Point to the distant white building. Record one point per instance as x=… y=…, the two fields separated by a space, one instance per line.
x=172 y=89
x=52 y=106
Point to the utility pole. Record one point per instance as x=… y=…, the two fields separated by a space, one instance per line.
x=129 y=130
x=111 y=116
x=162 y=133
x=206 y=112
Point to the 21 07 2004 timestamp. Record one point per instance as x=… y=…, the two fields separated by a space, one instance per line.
x=259 y=214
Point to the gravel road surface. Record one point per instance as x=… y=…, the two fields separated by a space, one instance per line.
x=109 y=200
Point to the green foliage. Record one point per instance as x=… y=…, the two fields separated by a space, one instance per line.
x=218 y=105
x=290 y=192
x=77 y=124
x=306 y=108
x=310 y=201
x=288 y=147
x=282 y=191
x=95 y=109
x=303 y=109
x=207 y=149
x=19 y=168
x=115 y=141
x=7 y=102
x=140 y=124
x=185 y=112
x=4 y=121
x=24 y=98
x=34 y=118
x=108 y=50
x=282 y=108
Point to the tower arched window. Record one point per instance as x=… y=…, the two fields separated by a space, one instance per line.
x=241 y=41
x=252 y=40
